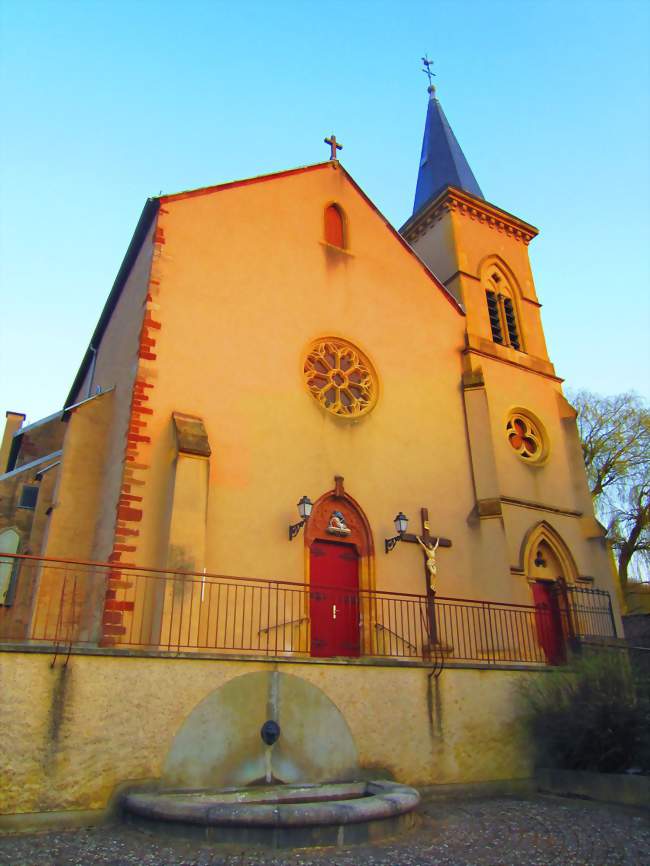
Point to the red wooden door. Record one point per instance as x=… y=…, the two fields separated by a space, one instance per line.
x=549 y=622
x=334 y=599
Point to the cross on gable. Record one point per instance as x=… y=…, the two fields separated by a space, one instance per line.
x=334 y=146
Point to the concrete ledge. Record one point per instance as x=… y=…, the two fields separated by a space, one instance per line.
x=289 y=658
x=605 y=787
x=467 y=790
x=29 y=822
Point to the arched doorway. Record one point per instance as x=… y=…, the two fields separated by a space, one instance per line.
x=339 y=568
x=9 y=543
x=550 y=567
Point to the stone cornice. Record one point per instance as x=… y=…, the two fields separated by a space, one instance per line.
x=477 y=345
x=452 y=200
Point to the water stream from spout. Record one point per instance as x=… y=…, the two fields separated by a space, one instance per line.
x=272 y=712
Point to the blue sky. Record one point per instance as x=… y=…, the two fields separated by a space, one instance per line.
x=106 y=103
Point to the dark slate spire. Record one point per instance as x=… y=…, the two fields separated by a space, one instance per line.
x=442 y=162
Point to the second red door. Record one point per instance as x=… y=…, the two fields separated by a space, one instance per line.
x=549 y=622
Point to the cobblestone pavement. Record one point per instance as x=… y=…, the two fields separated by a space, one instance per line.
x=503 y=831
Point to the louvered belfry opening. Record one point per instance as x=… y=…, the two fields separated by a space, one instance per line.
x=501 y=312
x=511 y=323
x=495 y=319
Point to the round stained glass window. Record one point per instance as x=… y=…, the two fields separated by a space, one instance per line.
x=525 y=436
x=340 y=377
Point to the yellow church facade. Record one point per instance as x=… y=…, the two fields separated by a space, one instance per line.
x=270 y=342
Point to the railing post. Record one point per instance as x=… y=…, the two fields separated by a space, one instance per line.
x=611 y=615
x=489 y=610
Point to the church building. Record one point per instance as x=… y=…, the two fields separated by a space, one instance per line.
x=312 y=467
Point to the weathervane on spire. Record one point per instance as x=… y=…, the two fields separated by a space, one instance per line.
x=427 y=68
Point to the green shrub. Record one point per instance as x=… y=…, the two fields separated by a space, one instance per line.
x=588 y=716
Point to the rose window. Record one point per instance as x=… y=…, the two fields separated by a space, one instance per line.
x=340 y=377
x=525 y=437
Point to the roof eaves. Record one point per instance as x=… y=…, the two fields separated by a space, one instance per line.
x=38 y=423
x=479 y=203
x=260 y=178
x=68 y=410
x=147 y=216
x=28 y=467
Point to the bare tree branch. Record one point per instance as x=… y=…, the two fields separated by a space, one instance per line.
x=615 y=437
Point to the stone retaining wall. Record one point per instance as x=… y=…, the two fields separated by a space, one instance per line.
x=72 y=734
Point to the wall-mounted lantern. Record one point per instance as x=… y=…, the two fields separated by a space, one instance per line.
x=305 y=506
x=401 y=525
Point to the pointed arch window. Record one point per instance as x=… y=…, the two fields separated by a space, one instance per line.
x=334 y=226
x=501 y=311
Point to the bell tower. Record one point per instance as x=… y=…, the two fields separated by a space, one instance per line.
x=523 y=445
x=478 y=250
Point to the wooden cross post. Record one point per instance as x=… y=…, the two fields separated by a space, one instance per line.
x=430 y=541
x=334 y=146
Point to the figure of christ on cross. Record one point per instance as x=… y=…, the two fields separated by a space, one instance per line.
x=334 y=146
x=429 y=545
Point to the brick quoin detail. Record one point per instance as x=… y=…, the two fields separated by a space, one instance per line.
x=113 y=604
x=136 y=437
x=123 y=529
x=111 y=631
x=118 y=605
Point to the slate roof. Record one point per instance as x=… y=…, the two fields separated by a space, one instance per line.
x=442 y=162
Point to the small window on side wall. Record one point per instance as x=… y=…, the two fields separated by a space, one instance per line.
x=334 y=233
x=28 y=497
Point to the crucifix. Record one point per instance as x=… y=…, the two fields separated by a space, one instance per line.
x=429 y=545
x=334 y=146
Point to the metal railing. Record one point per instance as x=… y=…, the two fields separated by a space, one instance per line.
x=68 y=604
x=589 y=612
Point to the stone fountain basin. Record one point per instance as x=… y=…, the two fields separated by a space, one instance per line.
x=279 y=815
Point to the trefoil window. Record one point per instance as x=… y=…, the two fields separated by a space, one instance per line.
x=526 y=437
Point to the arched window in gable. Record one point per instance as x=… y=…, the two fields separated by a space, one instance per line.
x=502 y=311
x=334 y=228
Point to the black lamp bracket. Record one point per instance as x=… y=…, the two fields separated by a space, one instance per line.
x=295 y=528
x=391 y=543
